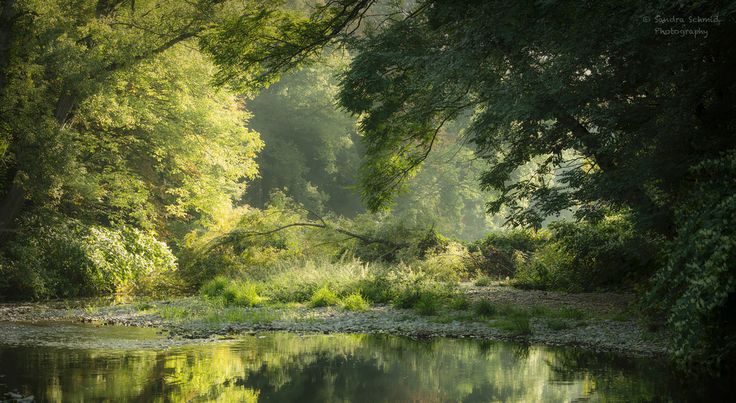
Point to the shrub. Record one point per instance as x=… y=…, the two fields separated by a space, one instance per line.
x=483 y=281
x=323 y=297
x=446 y=264
x=494 y=255
x=61 y=257
x=557 y=324
x=355 y=302
x=696 y=290
x=586 y=256
x=232 y=292
x=215 y=287
x=517 y=325
x=484 y=308
x=242 y=294
x=428 y=304
x=460 y=303
x=298 y=280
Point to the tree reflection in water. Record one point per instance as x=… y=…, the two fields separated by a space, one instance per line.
x=286 y=367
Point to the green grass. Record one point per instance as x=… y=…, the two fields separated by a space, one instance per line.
x=518 y=325
x=321 y=283
x=239 y=315
x=215 y=287
x=428 y=304
x=484 y=308
x=175 y=313
x=483 y=281
x=355 y=302
x=460 y=303
x=323 y=297
x=232 y=292
x=142 y=306
x=558 y=324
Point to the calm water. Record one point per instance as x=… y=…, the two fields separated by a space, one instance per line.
x=75 y=363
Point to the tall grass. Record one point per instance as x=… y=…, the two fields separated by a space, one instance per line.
x=349 y=283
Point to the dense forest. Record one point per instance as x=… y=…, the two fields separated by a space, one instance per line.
x=364 y=152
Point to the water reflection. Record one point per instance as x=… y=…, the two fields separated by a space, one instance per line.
x=285 y=367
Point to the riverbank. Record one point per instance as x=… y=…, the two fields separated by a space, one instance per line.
x=592 y=321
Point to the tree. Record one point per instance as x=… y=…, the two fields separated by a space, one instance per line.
x=312 y=147
x=57 y=54
x=623 y=104
x=638 y=109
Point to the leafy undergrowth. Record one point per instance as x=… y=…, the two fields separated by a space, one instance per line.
x=299 y=290
x=350 y=284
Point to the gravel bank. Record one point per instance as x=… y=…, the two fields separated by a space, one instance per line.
x=621 y=336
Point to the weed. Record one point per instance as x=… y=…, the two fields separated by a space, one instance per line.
x=558 y=324
x=215 y=287
x=517 y=325
x=323 y=297
x=460 y=303
x=355 y=302
x=428 y=304
x=484 y=308
x=483 y=281
x=143 y=306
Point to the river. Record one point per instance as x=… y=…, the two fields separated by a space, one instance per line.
x=71 y=362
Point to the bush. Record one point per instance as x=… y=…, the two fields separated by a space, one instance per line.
x=355 y=302
x=494 y=255
x=446 y=263
x=696 y=290
x=460 y=303
x=241 y=294
x=483 y=281
x=517 y=325
x=232 y=292
x=484 y=308
x=215 y=287
x=58 y=257
x=323 y=297
x=428 y=304
x=608 y=254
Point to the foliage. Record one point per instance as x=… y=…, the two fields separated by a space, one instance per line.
x=460 y=303
x=428 y=304
x=518 y=325
x=484 y=308
x=498 y=253
x=622 y=116
x=232 y=293
x=591 y=256
x=215 y=287
x=355 y=302
x=323 y=297
x=348 y=283
x=695 y=289
x=483 y=281
x=532 y=100
x=65 y=258
x=109 y=113
x=313 y=151
x=311 y=147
